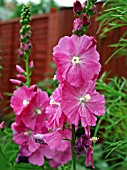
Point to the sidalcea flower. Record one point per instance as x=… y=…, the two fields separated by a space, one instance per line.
x=54 y=139
x=82 y=144
x=56 y=117
x=21 y=98
x=35 y=112
x=24 y=136
x=62 y=154
x=82 y=103
x=77 y=59
x=37 y=157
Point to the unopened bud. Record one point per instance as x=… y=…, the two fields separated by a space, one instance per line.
x=2 y=125
x=77 y=24
x=15 y=82
x=85 y=20
x=21 y=77
x=31 y=65
x=19 y=69
x=77 y=7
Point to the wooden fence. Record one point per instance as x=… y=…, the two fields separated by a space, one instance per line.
x=47 y=29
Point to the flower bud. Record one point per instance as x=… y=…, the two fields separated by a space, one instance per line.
x=21 y=78
x=19 y=69
x=77 y=7
x=15 y=82
x=31 y=65
x=95 y=9
x=85 y=20
x=77 y=24
x=20 y=52
x=2 y=125
x=34 y=88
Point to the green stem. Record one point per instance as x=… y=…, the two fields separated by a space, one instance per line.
x=88 y=6
x=72 y=148
x=97 y=126
x=27 y=71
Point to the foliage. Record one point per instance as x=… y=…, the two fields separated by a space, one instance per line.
x=114 y=16
x=112 y=126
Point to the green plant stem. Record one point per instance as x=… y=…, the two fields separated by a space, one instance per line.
x=72 y=148
x=27 y=71
x=88 y=6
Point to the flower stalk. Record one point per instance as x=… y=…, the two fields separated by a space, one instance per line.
x=25 y=45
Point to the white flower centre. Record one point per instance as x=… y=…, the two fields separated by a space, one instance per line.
x=25 y=102
x=75 y=60
x=85 y=99
x=28 y=133
x=54 y=77
x=52 y=102
x=38 y=111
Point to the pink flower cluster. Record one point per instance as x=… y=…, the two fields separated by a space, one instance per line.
x=78 y=66
x=75 y=100
x=29 y=105
x=43 y=125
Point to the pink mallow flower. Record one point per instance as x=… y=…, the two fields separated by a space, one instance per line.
x=24 y=136
x=21 y=98
x=35 y=112
x=62 y=154
x=82 y=103
x=77 y=59
x=54 y=139
x=56 y=116
x=37 y=157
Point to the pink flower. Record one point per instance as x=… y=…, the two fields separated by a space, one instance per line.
x=21 y=98
x=56 y=116
x=77 y=59
x=37 y=157
x=35 y=112
x=24 y=136
x=62 y=154
x=82 y=103
x=54 y=139
x=77 y=24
